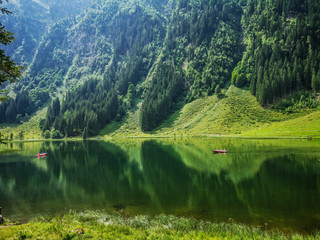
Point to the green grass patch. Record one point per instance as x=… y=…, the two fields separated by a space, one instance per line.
x=112 y=127
x=302 y=127
x=99 y=225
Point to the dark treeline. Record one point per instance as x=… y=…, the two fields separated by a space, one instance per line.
x=283 y=52
x=24 y=104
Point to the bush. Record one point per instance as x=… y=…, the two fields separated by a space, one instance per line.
x=296 y=102
x=46 y=134
x=19 y=118
x=56 y=135
x=21 y=135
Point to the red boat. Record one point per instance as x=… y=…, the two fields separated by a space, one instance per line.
x=41 y=155
x=219 y=151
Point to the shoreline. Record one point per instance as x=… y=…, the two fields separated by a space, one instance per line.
x=309 y=138
x=99 y=224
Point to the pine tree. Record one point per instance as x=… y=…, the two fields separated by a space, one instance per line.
x=218 y=91
x=85 y=133
x=21 y=135
x=56 y=107
x=315 y=83
x=11 y=112
x=8 y=69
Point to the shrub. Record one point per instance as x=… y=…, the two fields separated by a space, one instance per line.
x=46 y=134
x=296 y=102
x=56 y=135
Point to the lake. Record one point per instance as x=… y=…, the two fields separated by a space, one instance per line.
x=273 y=183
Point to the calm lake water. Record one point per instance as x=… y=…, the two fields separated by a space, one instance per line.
x=258 y=181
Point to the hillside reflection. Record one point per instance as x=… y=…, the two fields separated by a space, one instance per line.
x=256 y=182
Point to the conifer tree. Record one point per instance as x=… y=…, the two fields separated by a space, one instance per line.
x=56 y=107
x=8 y=69
x=315 y=83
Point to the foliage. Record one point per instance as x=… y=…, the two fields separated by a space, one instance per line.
x=282 y=50
x=109 y=90
x=235 y=113
x=21 y=135
x=166 y=54
x=30 y=128
x=15 y=110
x=158 y=104
x=204 y=40
x=8 y=69
x=46 y=134
x=296 y=102
x=56 y=135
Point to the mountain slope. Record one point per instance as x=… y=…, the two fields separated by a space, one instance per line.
x=30 y=20
x=237 y=114
x=164 y=66
x=282 y=48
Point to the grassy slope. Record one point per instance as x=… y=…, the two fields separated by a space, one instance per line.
x=30 y=129
x=305 y=126
x=237 y=114
x=98 y=225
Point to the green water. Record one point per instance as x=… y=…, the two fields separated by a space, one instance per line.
x=257 y=182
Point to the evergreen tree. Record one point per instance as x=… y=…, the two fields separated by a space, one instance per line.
x=21 y=135
x=316 y=83
x=46 y=134
x=286 y=35
x=56 y=107
x=8 y=69
x=85 y=133
x=217 y=91
x=11 y=112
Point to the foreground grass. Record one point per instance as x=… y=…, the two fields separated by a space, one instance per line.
x=99 y=225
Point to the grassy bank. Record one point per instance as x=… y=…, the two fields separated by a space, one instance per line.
x=99 y=225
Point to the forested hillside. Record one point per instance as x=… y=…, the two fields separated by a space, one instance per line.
x=99 y=65
x=202 y=46
x=30 y=20
x=113 y=63
x=282 y=48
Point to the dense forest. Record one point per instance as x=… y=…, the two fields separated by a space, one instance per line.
x=202 y=47
x=282 y=48
x=93 y=64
